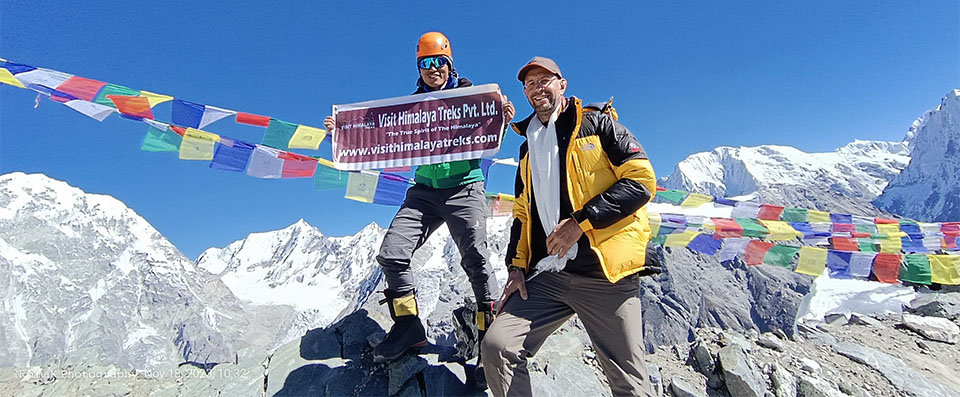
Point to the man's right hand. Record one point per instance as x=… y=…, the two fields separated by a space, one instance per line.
x=329 y=123
x=515 y=282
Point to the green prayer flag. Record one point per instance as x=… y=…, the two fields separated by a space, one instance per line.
x=673 y=196
x=659 y=240
x=872 y=229
x=794 y=215
x=278 y=134
x=781 y=255
x=917 y=269
x=328 y=178
x=752 y=227
x=158 y=140
x=113 y=89
x=867 y=245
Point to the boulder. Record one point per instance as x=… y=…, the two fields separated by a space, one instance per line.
x=741 y=377
x=933 y=328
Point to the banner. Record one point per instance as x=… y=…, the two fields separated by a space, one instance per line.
x=458 y=124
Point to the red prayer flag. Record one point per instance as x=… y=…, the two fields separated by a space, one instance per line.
x=860 y=234
x=297 y=165
x=136 y=106
x=770 y=212
x=179 y=130
x=886 y=267
x=253 y=119
x=82 y=88
x=881 y=221
x=844 y=244
x=950 y=228
x=661 y=189
x=755 y=252
x=727 y=228
x=949 y=242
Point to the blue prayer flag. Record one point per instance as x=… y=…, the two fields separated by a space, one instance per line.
x=839 y=264
x=725 y=201
x=841 y=218
x=15 y=68
x=232 y=155
x=704 y=243
x=187 y=114
x=391 y=189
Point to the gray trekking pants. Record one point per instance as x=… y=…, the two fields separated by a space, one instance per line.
x=610 y=313
x=422 y=212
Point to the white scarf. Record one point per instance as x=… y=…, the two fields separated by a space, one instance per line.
x=545 y=169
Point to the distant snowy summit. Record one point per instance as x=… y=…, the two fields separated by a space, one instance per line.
x=917 y=178
x=928 y=189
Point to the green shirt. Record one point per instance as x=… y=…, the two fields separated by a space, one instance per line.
x=448 y=175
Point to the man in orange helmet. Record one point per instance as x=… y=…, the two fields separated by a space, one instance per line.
x=451 y=193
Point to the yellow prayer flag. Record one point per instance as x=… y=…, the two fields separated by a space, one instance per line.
x=198 y=145
x=155 y=99
x=326 y=162
x=818 y=216
x=654 y=223
x=945 y=269
x=812 y=261
x=780 y=230
x=680 y=239
x=696 y=200
x=7 y=78
x=890 y=245
x=307 y=137
x=362 y=186
x=891 y=230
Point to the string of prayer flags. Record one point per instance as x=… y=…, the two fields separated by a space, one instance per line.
x=161 y=140
x=278 y=134
x=265 y=163
x=253 y=119
x=306 y=137
x=297 y=165
x=329 y=178
x=232 y=155
x=197 y=145
x=362 y=186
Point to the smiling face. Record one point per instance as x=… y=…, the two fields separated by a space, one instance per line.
x=435 y=77
x=544 y=91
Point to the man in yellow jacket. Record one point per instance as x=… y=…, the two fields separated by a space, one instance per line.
x=581 y=186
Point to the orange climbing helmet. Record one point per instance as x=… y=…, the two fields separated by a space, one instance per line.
x=433 y=44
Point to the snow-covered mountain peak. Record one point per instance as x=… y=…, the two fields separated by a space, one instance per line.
x=928 y=187
x=858 y=169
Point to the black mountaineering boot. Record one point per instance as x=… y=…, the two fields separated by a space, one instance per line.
x=406 y=333
x=484 y=318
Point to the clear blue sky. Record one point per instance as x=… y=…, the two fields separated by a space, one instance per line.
x=686 y=77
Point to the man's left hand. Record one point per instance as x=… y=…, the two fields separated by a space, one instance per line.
x=564 y=236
